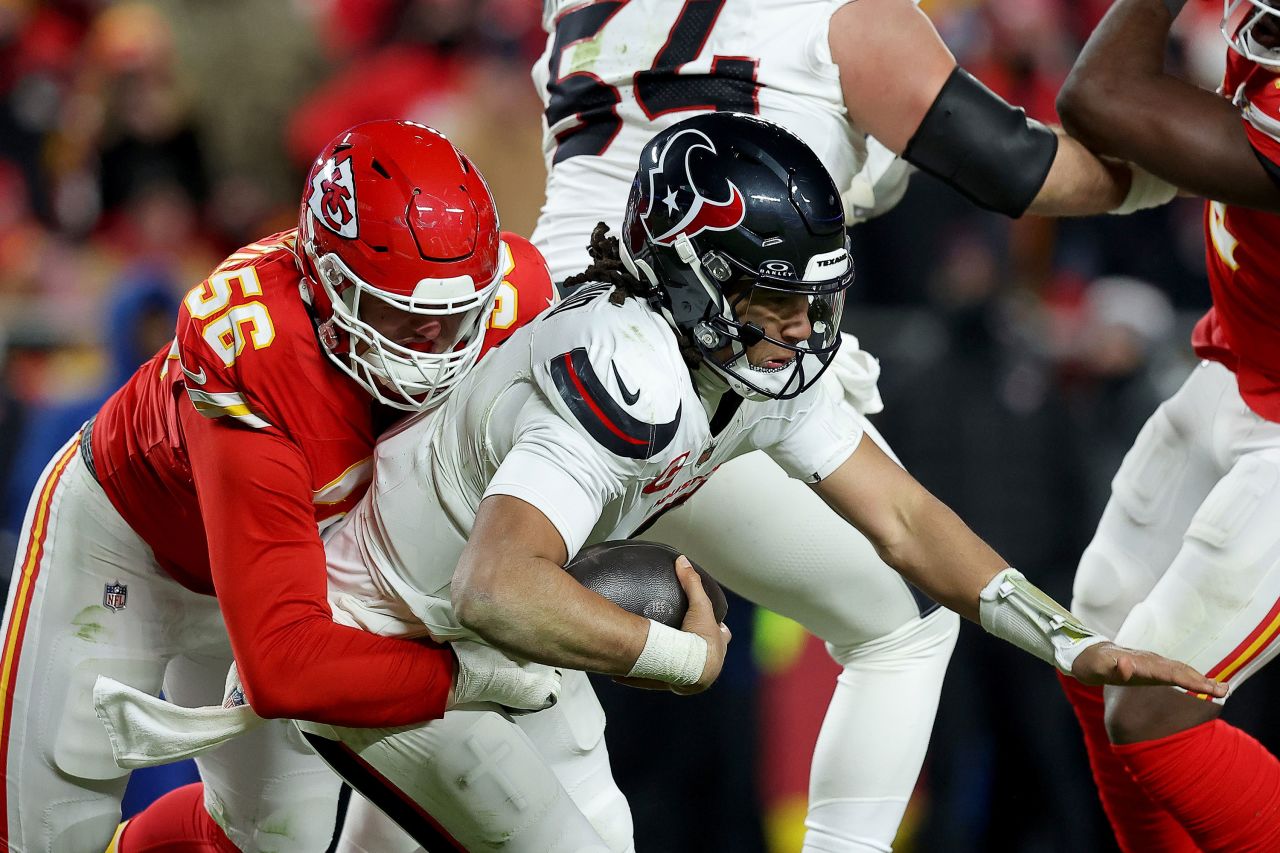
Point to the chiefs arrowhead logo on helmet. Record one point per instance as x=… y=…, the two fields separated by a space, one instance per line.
x=672 y=185
x=333 y=198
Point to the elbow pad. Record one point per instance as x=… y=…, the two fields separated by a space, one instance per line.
x=976 y=142
x=1017 y=611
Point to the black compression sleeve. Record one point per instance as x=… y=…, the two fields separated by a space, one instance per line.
x=972 y=139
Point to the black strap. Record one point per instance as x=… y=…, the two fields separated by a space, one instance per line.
x=86 y=447
x=340 y=817
x=382 y=793
x=727 y=408
x=1272 y=167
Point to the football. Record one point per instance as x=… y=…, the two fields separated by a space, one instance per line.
x=640 y=577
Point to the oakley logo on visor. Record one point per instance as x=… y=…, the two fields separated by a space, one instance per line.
x=333 y=198
x=778 y=269
x=672 y=184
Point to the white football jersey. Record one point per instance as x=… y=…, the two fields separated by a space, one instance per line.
x=616 y=72
x=590 y=415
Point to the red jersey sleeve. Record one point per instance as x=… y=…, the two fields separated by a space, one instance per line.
x=269 y=572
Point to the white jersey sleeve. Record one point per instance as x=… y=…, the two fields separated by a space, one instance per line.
x=605 y=416
x=811 y=439
x=560 y=471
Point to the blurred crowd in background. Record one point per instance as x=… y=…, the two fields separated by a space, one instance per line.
x=140 y=142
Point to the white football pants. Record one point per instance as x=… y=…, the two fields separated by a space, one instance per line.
x=62 y=790
x=480 y=780
x=772 y=540
x=1186 y=558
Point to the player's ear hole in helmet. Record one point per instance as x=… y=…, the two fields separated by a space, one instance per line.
x=735 y=231
x=398 y=242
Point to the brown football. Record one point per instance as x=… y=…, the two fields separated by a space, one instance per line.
x=640 y=577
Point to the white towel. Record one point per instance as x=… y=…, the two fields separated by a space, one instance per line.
x=878 y=186
x=146 y=730
x=854 y=373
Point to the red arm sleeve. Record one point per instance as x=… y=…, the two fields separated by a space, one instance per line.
x=269 y=573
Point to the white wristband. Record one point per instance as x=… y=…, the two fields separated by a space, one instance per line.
x=676 y=657
x=1145 y=190
x=1014 y=609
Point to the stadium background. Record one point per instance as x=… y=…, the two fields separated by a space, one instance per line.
x=141 y=141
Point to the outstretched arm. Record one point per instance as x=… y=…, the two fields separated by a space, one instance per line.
x=1120 y=102
x=926 y=105
x=931 y=547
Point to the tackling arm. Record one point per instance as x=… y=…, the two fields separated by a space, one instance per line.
x=944 y=121
x=1119 y=101
x=269 y=570
x=928 y=544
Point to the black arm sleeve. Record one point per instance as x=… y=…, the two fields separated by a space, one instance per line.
x=975 y=141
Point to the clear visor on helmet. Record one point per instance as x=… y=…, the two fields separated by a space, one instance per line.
x=785 y=331
x=408 y=350
x=1252 y=28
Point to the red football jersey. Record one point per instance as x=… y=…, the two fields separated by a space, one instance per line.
x=232 y=449
x=1242 y=248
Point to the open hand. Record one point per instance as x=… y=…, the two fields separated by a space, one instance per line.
x=1107 y=663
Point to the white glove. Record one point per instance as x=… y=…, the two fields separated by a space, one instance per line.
x=878 y=187
x=1145 y=190
x=487 y=675
x=853 y=374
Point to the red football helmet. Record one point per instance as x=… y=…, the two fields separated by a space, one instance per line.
x=400 y=233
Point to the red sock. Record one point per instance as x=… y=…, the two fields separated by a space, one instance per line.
x=1140 y=825
x=1221 y=784
x=175 y=823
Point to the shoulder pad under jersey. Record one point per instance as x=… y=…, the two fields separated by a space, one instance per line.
x=614 y=371
x=525 y=292
x=239 y=327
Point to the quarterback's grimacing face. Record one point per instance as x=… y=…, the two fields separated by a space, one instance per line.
x=781 y=316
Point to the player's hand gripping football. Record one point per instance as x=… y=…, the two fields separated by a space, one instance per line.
x=1107 y=663
x=700 y=619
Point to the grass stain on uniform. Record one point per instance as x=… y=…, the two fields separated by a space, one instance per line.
x=278 y=828
x=585 y=55
x=87 y=626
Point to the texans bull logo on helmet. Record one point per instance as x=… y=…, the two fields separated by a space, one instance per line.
x=333 y=198
x=674 y=194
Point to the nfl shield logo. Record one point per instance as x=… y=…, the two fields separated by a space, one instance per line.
x=114 y=596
